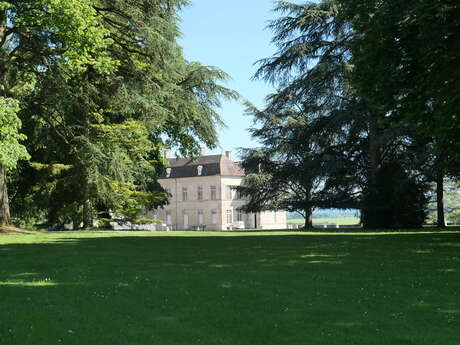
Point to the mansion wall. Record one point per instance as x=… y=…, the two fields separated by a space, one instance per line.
x=210 y=203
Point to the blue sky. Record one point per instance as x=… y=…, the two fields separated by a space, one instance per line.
x=231 y=35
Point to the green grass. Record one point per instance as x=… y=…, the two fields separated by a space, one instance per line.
x=337 y=220
x=230 y=288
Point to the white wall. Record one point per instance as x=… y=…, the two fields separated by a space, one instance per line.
x=223 y=202
x=177 y=206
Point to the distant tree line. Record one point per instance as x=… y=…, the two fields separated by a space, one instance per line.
x=91 y=94
x=365 y=113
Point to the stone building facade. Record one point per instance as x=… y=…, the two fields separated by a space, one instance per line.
x=203 y=197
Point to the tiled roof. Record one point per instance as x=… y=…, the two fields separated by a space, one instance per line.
x=211 y=165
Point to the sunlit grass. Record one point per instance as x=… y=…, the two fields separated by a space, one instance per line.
x=248 y=288
x=37 y=283
x=344 y=220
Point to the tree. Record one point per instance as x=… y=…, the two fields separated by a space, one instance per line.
x=318 y=126
x=405 y=56
x=111 y=128
x=300 y=166
x=32 y=33
x=11 y=150
x=304 y=128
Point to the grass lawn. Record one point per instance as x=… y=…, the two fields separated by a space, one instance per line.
x=337 y=220
x=230 y=288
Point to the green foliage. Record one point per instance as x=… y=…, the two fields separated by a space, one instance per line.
x=405 y=59
x=398 y=201
x=34 y=36
x=298 y=169
x=307 y=126
x=129 y=202
x=107 y=128
x=11 y=149
x=324 y=143
x=68 y=30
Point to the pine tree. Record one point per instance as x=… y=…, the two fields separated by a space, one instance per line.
x=343 y=141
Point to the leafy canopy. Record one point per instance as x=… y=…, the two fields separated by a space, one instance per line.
x=43 y=30
x=11 y=149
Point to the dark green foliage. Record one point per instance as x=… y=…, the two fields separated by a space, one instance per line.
x=405 y=58
x=303 y=127
x=323 y=143
x=108 y=129
x=397 y=200
x=301 y=166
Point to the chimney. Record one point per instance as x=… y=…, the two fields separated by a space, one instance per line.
x=202 y=151
x=228 y=154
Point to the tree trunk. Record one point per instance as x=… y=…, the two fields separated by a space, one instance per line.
x=87 y=203
x=87 y=214
x=374 y=151
x=3 y=16
x=440 y=199
x=308 y=218
x=369 y=209
x=4 y=202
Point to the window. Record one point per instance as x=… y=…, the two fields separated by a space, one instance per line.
x=200 y=170
x=214 y=216
x=168 y=172
x=184 y=194
x=229 y=216
x=200 y=217
x=239 y=216
x=229 y=193
x=200 y=193
x=213 y=193
x=185 y=220
x=168 y=218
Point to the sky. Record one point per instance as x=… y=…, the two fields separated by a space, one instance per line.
x=231 y=35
